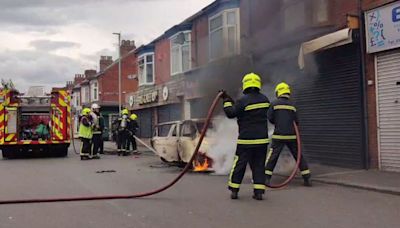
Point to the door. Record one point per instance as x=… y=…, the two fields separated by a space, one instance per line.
x=388 y=96
x=187 y=140
x=165 y=142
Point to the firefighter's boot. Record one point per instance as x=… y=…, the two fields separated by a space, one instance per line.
x=307 y=182
x=258 y=196
x=84 y=157
x=234 y=195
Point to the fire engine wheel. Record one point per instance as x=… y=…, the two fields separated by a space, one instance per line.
x=59 y=150
x=7 y=153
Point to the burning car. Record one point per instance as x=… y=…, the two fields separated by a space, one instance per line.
x=176 y=141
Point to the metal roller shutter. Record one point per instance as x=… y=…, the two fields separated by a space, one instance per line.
x=330 y=108
x=145 y=121
x=169 y=113
x=388 y=90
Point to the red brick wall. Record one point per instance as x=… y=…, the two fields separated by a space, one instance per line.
x=108 y=81
x=162 y=61
x=370 y=4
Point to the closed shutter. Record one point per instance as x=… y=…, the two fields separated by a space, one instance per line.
x=169 y=113
x=145 y=121
x=199 y=108
x=388 y=78
x=329 y=101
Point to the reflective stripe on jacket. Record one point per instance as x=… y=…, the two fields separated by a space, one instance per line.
x=282 y=114
x=251 y=113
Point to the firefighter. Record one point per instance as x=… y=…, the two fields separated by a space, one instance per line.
x=132 y=132
x=252 y=144
x=85 y=133
x=283 y=114
x=98 y=128
x=123 y=132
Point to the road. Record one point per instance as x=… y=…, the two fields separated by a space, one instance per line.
x=199 y=200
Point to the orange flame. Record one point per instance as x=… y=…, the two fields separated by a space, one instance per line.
x=201 y=167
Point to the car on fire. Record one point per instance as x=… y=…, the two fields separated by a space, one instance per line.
x=176 y=141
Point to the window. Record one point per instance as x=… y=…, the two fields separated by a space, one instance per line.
x=320 y=11
x=95 y=91
x=146 y=69
x=294 y=15
x=180 y=53
x=224 y=34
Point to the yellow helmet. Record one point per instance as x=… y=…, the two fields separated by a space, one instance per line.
x=133 y=116
x=86 y=111
x=251 y=80
x=282 y=88
x=125 y=112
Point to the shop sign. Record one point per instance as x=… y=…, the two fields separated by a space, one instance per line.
x=148 y=98
x=383 y=28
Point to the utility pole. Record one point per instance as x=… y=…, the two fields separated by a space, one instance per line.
x=119 y=71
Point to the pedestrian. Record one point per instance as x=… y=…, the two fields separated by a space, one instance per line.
x=85 y=134
x=123 y=123
x=283 y=114
x=252 y=144
x=98 y=128
x=133 y=126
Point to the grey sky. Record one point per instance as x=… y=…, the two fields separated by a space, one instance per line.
x=45 y=42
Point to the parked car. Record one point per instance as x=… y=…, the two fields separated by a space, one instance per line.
x=176 y=141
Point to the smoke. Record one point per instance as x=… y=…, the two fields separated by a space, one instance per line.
x=223 y=146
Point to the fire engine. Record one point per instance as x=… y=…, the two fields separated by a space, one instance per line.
x=36 y=123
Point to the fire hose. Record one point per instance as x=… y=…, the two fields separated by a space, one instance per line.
x=163 y=188
x=139 y=195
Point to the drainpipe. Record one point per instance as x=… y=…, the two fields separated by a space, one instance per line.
x=364 y=85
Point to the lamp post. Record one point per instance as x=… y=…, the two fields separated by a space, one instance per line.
x=119 y=71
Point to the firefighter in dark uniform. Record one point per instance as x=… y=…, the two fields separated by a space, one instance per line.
x=98 y=128
x=132 y=132
x=85 y=134
x=123 y=124
x=283 y=114
x=252 y=144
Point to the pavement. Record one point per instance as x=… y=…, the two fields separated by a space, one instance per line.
x=372 y=180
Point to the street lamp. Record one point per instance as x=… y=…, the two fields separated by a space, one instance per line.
x=119 y=71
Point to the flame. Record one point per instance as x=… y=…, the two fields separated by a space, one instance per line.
x=201 y=167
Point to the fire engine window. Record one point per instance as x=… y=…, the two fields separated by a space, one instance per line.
x=11 y=121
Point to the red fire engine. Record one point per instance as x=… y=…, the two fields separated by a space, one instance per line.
x=34 y=123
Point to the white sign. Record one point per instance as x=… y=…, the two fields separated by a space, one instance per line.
x=165 y=93
x=131 y=100
x=148 y=98
x=383 y=28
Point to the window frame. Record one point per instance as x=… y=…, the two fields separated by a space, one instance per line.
x=140 y=79
x=180 y=47
x=95 y=91
x=225 y=35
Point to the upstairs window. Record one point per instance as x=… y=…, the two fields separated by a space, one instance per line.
x=180 y=53
x=224 y=34
x=146 y=69
x=320 y=11
x=95 y=91
x=294 y=14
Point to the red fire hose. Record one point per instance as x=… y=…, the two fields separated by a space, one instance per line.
x=174 y=181
x=109 y=197
x=293 y=174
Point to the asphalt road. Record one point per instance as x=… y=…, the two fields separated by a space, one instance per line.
x=198 y=200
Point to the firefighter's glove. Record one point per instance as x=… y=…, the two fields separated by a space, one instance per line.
x=225 y=96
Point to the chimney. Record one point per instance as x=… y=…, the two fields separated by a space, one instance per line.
x=127 y=46
x=105 y=61
x=78 y=78
x=90 y=73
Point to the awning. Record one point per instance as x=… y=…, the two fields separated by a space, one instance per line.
x=331 y=40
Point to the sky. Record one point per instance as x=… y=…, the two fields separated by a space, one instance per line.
x=47 y=42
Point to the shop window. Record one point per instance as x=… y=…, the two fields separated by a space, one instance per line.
x=180 y=53
x=224 y=34
x=146 y=69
